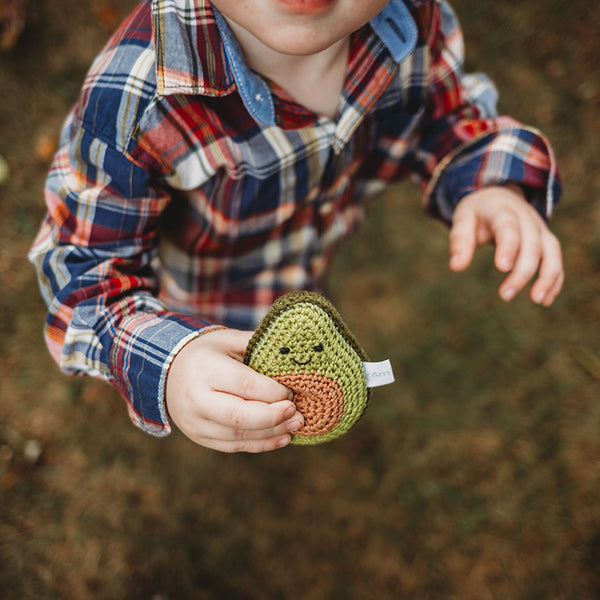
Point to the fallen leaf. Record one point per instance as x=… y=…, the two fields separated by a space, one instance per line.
x=45 y=147
x=4 y=171
x=107 y=15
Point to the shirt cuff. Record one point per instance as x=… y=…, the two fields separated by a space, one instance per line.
x=517 y=155
x=141 y=355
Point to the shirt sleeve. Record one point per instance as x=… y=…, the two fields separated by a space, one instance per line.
x=464 y=145
x=93 y=255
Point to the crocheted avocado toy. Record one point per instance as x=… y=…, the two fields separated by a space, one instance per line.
x=303 y=344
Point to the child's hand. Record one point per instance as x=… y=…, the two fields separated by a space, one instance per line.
x=220 y=403
x=524 y=244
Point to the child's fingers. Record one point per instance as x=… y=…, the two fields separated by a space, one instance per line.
x=463 y=238
x=251 y=446
x=527 y=263
x=208 y=431
x=236 y=413
x=551 y=276
x=233 y=377
x=554 y=291
x=507 y=235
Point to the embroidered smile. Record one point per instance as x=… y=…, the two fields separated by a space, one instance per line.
x=285 y=350
x=301 y=363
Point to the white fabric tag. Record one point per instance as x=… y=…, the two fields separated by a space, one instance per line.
x=379 y=373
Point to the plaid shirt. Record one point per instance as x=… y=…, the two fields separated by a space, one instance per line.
x=189 y=193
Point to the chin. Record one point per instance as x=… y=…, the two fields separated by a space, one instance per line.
x=298 y=44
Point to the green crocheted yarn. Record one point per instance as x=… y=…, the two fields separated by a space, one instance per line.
x=303 y=343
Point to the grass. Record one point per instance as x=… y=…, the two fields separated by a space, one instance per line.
x=476 y=476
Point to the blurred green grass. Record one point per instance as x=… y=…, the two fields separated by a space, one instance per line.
x=476 y=476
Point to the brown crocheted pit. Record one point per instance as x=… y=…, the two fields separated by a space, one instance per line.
x=319 y=399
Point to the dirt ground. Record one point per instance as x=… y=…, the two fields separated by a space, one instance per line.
x=475 y=477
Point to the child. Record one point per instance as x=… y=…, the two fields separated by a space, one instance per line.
x=216 y=155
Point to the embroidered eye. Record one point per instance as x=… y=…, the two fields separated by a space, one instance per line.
x=318 y=348
x=284 y=350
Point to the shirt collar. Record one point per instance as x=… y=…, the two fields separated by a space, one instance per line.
x=190 y=55
x=397 y=30
x=213 y=64
x=252 y=88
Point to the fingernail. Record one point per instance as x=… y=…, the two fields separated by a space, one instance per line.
x=284 y=441
x=290 y=411
x=294 y=425
x=508 y=294
x=504 y=263
x=290 y=395
x=539 y=297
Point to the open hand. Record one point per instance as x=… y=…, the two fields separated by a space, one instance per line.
x=524 y=244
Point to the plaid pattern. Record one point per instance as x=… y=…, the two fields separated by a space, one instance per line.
x=188 y=193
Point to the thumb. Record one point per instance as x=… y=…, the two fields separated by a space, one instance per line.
x=463 y=238
x=232 y=342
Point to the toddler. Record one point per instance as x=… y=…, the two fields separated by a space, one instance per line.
x=217 y=154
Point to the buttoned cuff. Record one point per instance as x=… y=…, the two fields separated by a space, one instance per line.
x=141 y=356
x=508 y=155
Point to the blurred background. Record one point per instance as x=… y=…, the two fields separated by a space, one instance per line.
x=475 y=476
